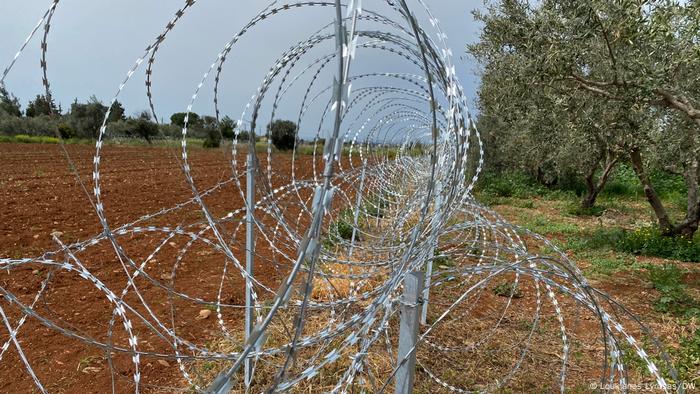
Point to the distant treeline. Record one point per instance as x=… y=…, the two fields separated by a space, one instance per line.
x=43 y=117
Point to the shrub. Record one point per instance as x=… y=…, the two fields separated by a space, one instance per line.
x=39 y=125
x=344 y=229
x=650 y=241
x=66 y=131
x=142 y=127
x=283 y=134
x=341 y=228
x=213 y=140
x=508 y=289
x=511 y=184
x=442 y=261
x=646 y=241
x=623 y=182
x=375 y=207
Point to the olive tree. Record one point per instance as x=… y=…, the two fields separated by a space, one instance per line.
x=633 y=61
x=9 y=104
x=283 y=134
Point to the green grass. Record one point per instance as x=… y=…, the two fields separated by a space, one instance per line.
x=512 y=184
x=611 y=249
x=649 y=241
x=674 y=299
x=308 y=149
x=542 y=225
x=29 y=139
x=685 y=357
x=39 y=139
x=623 y=183
x=608 y=265
x=644 y=241
x=601 y=238
x=576 y=209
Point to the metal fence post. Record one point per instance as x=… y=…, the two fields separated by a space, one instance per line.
x=249 y=258
x=408 y=331
x=357 y=208
x=429 y=265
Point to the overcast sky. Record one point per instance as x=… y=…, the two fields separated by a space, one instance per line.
x=93 y=43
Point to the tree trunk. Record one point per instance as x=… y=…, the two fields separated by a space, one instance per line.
x=594 y=188
x=661 y=215
x=689 y=226
x=591 y=193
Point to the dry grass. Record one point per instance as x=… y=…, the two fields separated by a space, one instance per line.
x=484 y=338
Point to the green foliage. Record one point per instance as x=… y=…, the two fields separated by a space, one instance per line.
x=375 y=207
x=687 y=356
x=213 y=131
x=117 y=112
x=86 y=118
x=227 y=127
x=66 y=131
x=29 y=139
x=42 y=106
x=344 y=229
x=649 y=241
x=305 y=149
x=623 y=182
x=571 y=88
x=213 y=139
x=674 y=299
x=508 y=289
x=509 y=184
x=341 y=228
x=644 y=241
x=542 y=225
x=577 y=210
x=283 y=134
x=9 y=104
x=178 y=119
x=442 y=261
x=142 y=127
x=211 y=143
x=608 y=265
x=40 y=125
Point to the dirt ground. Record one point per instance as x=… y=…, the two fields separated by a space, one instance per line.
x=39 y=196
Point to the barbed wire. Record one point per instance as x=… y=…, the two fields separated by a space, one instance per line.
x=394 y=160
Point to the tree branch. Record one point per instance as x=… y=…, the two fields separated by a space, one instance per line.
x=679 y=104
x=594 y=87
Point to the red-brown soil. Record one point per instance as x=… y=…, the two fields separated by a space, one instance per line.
x=39 y=195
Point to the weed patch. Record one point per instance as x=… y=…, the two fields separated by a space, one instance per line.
x=576 y=209
x=508 y=289
x=674 y=299
x=649 y=241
